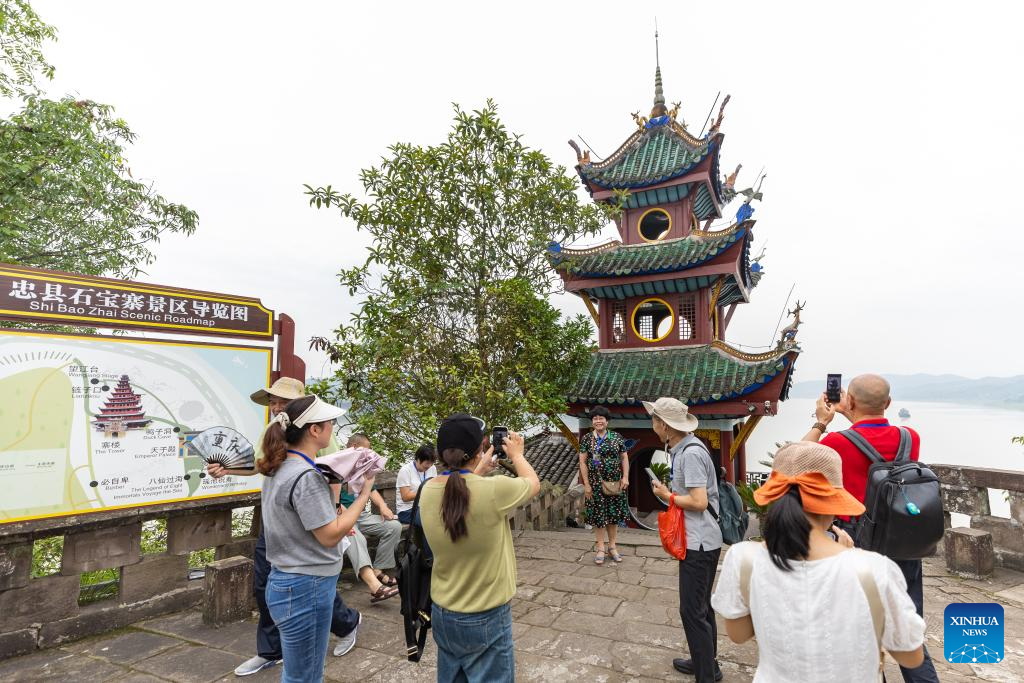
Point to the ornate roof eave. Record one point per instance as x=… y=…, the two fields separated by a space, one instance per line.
x=744 y=374
x=588 y=172
x=561 y=257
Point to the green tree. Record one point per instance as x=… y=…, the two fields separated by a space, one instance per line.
x=454 y=313
x=68 y=200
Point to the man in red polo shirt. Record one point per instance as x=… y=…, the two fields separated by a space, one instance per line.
x=864 y=404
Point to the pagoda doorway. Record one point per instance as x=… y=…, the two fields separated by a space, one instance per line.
x=642 y=501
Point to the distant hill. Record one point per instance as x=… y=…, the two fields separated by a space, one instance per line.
x=1006 y=392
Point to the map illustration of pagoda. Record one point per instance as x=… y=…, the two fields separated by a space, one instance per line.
x=121 y=411
x=663 y=295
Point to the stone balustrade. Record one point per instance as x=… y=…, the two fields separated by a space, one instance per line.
x=991 y=541
x=44 y=612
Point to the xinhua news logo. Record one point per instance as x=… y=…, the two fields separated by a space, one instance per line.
x=973 y=633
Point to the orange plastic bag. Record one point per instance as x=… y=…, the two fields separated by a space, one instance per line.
x=672 y=528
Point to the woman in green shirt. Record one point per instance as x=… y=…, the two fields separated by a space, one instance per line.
x=465 y=519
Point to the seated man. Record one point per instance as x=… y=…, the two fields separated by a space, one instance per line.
x=384 y=527
x=410 y=478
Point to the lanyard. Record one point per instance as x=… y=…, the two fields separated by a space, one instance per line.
x=598 y=441
x=874 y=424
x=459 y=471
x=423 y=477
x=304 y=457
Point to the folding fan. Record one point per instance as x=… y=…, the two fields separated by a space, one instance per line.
x=224 y=446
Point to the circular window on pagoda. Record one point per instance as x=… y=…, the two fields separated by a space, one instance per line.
x=652 y=320
x=654 y=224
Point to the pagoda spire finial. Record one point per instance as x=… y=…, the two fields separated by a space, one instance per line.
x=659 y=95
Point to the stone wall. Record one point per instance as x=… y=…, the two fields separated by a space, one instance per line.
x=45 y=612
x=548 y=510
x=965 y=491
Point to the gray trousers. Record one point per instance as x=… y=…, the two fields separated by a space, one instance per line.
x=388 y=534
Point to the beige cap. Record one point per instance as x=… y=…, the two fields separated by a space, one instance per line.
x=674 y=413
x=817 y=471
x=287 y=388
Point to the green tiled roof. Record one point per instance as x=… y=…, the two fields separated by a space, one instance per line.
x=731 y=292
x=644 y=259
x=649 y=157
x=693 y=374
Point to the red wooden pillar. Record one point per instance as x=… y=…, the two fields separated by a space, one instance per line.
x=288 y=364
x=726 y=460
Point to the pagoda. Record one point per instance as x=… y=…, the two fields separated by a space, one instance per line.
x=121 y=411
x=663 y=295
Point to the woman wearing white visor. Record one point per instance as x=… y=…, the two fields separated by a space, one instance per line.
x=304 y=534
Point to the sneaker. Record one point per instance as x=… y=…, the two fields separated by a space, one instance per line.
x=346 y=643
x=255 y=665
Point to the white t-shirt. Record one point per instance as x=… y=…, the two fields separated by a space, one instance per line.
x=410 y=476
x=814 y=623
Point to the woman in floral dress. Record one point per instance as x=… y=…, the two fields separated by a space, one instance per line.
x=603 y=458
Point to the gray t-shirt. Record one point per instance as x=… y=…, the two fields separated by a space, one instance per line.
x=291 y=545
x=692 y=467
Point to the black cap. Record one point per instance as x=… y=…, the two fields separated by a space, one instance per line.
x=461 y=431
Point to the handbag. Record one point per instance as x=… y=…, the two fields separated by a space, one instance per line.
x=672 y=529
x=611 y=488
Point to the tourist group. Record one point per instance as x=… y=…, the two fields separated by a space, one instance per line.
x=822 y=608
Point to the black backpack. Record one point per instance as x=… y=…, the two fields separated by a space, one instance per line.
x=734 y=518
x=414 y=571
x=903 y=504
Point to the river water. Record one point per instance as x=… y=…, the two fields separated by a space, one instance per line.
x=950 y=434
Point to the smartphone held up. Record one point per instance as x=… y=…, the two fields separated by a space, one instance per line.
x=498 y=435
x=834 y=388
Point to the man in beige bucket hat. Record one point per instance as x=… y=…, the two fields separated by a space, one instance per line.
x=284 y=389
x=695 y=489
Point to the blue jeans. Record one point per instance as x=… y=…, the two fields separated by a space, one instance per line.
x=301 y=606
x=474 y=647
x=268 y=641
x=405 y=516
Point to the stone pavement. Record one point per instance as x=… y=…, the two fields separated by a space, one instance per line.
x=573 y=621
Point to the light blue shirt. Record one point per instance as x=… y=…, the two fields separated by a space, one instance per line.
x=692 y=467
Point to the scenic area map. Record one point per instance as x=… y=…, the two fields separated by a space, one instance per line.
x=91 y=423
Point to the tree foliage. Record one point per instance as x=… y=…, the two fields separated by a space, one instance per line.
x=454 y=313
x=22 y=33
x=68 y=200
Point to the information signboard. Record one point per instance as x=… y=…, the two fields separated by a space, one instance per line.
x=91 y=423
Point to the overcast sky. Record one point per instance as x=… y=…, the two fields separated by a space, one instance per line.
x=890 y=134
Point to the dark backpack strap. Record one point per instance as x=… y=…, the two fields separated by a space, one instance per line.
x=412 y=513
x=858 y=440
x=291 y=491
x=682 y=454
x=906 y=445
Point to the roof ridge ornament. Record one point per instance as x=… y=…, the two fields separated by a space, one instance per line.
x=721 y=116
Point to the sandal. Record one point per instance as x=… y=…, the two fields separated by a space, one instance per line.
x=614 y=553
x=383 y=593
x=387 y=580
x=599 y=558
